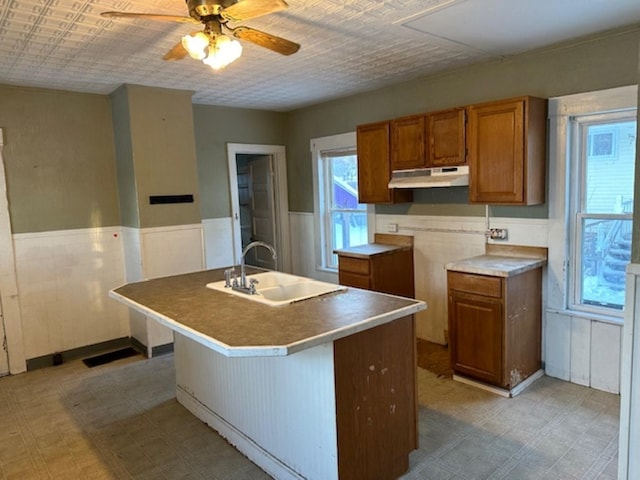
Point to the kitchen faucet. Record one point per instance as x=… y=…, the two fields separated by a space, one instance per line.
x=242 y=286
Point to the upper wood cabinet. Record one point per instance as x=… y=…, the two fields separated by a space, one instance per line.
x=374 y=166
x=408 y=143
x=446 y=138
x=506 y=143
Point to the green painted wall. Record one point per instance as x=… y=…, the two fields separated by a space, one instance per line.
x=59 y=159
x=164 y=155
x=124 y=158
x=214 y=128
x=596 y=63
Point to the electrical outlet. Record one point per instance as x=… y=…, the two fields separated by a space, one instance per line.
x=497 y=233
x=392 y=227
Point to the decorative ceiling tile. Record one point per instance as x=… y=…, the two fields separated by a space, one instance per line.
x=346 y=47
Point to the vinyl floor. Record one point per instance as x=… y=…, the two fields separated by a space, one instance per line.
x=121 y=421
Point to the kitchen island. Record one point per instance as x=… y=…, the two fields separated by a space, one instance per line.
x=318 y=389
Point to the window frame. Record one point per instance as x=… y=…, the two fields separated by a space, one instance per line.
x=337 y=143
x=579 y=153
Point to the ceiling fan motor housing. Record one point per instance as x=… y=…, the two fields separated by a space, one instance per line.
x=199 y=9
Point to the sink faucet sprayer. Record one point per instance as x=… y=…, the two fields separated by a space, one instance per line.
x=242 y=286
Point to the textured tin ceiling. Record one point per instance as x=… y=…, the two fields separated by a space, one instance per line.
x=347 y=46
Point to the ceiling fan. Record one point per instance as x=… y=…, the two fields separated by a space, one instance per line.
x=211 y=45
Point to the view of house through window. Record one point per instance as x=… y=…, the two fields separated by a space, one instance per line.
x=340 y=221
x=345 y=220
x=603 y=167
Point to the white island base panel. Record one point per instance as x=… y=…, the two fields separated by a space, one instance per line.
x=278 y=411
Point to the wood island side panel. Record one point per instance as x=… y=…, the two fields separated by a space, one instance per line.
x=376 y=401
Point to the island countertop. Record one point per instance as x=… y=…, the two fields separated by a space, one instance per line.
x=237 y=327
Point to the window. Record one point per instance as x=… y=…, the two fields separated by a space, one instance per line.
x=341 y=221
x=602 y=150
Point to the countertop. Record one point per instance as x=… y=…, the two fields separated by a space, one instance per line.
x=496 y=265
x=370 y=250
x=238 y=327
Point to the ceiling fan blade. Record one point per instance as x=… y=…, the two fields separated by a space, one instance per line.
x=177 y=52
x=150 y=16
x=246 y=9
x=266 y=40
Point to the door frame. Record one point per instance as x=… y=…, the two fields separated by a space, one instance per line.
x=11 y=318
x=281 y=200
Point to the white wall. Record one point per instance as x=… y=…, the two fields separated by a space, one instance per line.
x=63 y=280
x=218 y=242
x=440 y=240
x=158 y=252
x=576 y=348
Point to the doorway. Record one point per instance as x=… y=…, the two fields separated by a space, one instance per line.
x=259 y=203
x=257 y=210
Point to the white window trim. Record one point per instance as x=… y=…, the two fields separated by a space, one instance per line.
x=560 y=111
x=576 y=215
x=318 y=145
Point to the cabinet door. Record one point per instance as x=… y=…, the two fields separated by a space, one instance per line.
x=476 y=336
x=374 y=167
x=496 y=152
x=408 y=143
x=446 y=138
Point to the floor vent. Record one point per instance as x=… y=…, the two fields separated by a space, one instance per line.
x=110 y=357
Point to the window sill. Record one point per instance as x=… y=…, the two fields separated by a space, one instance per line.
x=597 y=317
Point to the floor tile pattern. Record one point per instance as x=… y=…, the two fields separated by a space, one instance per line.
x=121 y=421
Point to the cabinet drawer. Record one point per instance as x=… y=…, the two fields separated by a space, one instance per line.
x=477 y=284
x=354 y=265
x=354 y=280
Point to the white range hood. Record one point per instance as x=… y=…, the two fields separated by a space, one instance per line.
x=430 y=177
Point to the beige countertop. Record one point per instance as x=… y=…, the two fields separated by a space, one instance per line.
x=496 y=265
x=370 y=250
x=235 y=326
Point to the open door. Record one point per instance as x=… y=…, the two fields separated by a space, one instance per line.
x=262 y=210
x=278 y=227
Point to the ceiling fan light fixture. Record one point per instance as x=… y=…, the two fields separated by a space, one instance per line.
x=196 y=45
x=222 y=51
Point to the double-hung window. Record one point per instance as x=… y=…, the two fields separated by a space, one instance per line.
x=341 y=221
x=602 y=151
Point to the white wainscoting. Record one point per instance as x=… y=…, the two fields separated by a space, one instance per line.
x=440 y=240
x=171 y=250
x=63 y=280
x=218 y=242
x=158 y=252
x=279 y=411
x=583 y=350
x=302 y=229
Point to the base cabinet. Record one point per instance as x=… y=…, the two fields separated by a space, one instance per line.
x=495 y=326
x=376 y=401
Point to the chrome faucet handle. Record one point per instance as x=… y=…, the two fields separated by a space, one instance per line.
x=229 y=274
x=252 y=286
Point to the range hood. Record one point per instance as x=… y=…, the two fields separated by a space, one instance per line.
x=430 y=177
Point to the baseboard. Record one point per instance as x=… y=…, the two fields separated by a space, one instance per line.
x=235 y=437
x=155 y=351
x=503 y=392
x=59 y=358
x=162 y=349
